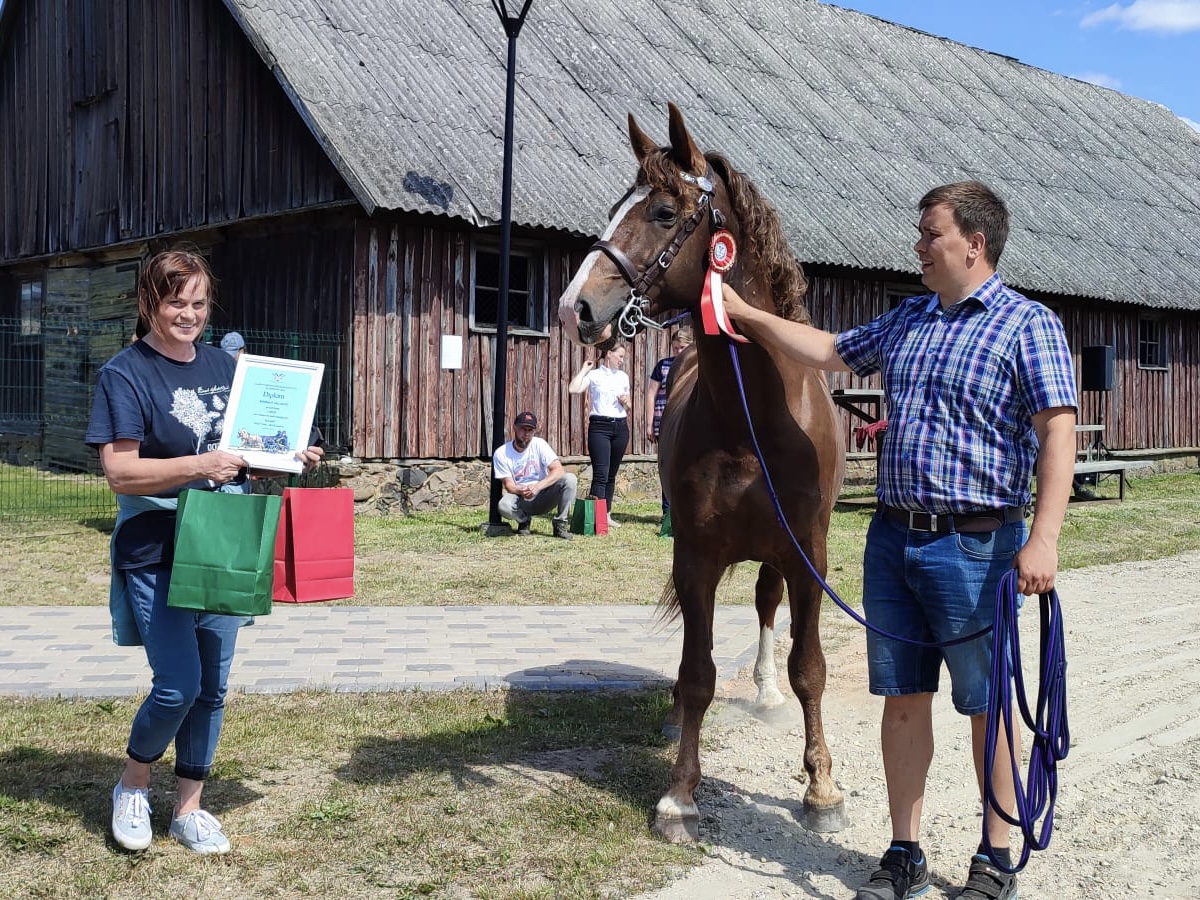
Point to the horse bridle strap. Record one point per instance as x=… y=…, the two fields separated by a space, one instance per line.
x=633 y=315
x=641 y=283
x=620 y=260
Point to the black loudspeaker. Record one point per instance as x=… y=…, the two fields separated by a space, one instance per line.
x=1098 y=364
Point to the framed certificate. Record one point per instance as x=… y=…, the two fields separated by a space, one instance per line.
x=271 y=408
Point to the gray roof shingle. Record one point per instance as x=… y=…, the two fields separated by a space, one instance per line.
x=844 y=121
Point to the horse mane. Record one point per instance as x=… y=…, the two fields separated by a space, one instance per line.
x=762 y=232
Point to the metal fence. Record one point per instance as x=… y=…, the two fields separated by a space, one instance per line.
x=47 y=381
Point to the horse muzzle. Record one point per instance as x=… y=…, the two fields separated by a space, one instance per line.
x=582 y=326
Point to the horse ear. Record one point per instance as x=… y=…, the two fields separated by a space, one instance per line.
x=639 y=140
x=683 y=149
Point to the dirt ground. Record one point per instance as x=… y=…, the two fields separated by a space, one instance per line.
x=1127 y=821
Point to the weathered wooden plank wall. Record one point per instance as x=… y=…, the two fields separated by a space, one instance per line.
x=1147 y=408
x=68 y=382
x=164 y=120
x=296 y=276
x=412 y=286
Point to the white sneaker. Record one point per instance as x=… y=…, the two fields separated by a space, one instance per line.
x=131 y=817
x=199 y=832
x=613 y=523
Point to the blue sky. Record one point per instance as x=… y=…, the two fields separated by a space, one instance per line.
x=1145 y=48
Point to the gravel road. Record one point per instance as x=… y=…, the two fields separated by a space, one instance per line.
x=1128 y=814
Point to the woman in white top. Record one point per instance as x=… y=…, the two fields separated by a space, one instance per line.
x=608 y=425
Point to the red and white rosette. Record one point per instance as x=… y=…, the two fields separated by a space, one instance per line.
x=722 y=253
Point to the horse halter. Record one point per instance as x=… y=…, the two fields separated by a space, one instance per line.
x=633 y=316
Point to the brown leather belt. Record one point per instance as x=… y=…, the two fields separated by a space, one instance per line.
x=973 y=522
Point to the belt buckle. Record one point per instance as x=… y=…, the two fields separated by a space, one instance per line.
x=912 y=522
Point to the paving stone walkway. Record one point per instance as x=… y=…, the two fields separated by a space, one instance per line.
x=68 y=651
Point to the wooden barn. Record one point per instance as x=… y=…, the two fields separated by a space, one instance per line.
x=340 y=163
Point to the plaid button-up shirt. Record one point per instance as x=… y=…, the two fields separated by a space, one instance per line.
x=962 y=385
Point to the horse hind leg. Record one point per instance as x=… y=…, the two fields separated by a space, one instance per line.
x=824 y=806
x=768 y=593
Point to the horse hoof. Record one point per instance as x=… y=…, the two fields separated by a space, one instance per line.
x=677 y=830
x=824 y=819
x=672 y=733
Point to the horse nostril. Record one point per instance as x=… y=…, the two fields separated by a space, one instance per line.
x=583 y=311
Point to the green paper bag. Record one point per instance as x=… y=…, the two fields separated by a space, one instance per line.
x=589 y=516
x=224 y=552
x=583 y=517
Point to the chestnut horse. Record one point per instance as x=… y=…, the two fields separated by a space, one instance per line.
x=652 y=259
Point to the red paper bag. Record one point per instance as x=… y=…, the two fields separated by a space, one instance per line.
x=601 y=516
x=314 y=546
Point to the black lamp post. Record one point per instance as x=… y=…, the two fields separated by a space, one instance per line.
x=512 y=27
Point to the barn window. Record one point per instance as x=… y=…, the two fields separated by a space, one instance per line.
x=31 y=309
x=527 y=300
x=1152 y=343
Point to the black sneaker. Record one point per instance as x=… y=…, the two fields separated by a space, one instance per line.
x=986 y=882
x=523 y=530
x=563 y=530
x=897 y=877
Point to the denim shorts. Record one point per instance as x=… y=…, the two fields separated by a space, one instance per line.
x=934 y=587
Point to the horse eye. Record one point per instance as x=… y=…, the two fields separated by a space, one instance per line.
x=664 y=214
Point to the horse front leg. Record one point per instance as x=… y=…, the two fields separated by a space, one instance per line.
x=677 y=817
x=824 y=805
x=768 y=592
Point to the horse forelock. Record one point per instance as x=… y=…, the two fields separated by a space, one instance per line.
x=660 y=172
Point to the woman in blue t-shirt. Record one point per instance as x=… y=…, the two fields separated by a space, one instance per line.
x=156 y=422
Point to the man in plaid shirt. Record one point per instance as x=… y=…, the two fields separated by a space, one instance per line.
x=980 y=393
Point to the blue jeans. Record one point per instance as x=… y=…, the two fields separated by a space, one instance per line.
x=934 y=587
x=190 y=654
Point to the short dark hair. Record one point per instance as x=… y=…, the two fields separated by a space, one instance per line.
x=975 y=207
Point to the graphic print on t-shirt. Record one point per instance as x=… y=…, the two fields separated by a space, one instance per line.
x=529 y=469
x=189 y=410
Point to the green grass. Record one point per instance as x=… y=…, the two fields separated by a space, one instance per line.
x=442 y=559
x=491 y=795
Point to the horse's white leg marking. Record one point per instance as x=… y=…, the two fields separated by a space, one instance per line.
x=668 y=807
x=764 y=671
x=571 y=294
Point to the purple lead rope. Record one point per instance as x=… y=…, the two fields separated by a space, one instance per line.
x=1051 y=734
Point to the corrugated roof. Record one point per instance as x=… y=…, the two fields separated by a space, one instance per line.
x=844 y=121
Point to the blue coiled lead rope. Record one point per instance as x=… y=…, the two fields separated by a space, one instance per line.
x=1051 y=734
x=1051 y=737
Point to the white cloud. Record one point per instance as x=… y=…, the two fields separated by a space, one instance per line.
x=1195 y=126
x=1100 y=79
x=1149 y=15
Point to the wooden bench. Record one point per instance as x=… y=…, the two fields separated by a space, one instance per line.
x=1111 y=467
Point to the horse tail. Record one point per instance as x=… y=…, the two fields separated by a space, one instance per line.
x=668 y=609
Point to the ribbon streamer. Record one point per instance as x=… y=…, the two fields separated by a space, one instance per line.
x=722 y=252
